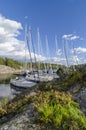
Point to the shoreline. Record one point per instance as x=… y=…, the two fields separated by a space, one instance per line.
x=8 y=70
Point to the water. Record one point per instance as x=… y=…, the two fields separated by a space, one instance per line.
x=6 y=91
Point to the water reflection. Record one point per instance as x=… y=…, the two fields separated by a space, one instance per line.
x=5 y=91
x=5 y=88
x=5 y=76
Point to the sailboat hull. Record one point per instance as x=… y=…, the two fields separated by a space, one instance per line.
x=22 y=83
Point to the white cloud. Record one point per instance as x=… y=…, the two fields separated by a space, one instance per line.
x=10 y=45
x=80 y=50
x=9 y=27
x=59 y=52
x=70 y=37
x=74 y=59
x=66 y=36
x=58 y=60
x=74 y=37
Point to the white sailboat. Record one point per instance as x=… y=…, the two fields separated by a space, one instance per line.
x=39 y=76
x=22 y=81
x=40 y=53
x=28 y=80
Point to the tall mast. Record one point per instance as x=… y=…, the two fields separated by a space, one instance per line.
x=33 y=50
x=65 y=51
x=39 y=49
x=47 y=50
x=74 y=53
x=56 y=46
x=25 y=66
x=29 y=48
x=39 y=46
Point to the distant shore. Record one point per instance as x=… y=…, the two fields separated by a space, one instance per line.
x=8 y=70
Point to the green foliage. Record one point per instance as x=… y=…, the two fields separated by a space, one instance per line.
x=43 y=86
x=17 y=65
x=12 y=63
x=3 y=106
x=15 y=106
x=69 y=76
x=60 y=71
x=6 y=81
x=2 y=61
x=71 y=79
x=59 y=110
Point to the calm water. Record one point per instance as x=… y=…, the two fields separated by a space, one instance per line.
x=5 y=89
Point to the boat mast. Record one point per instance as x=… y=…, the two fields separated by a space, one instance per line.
x=47 y=50
x=33 y=50
x=40 y=49
x=56 y=44
x=65 y=51
x=39 y=46
x=56 y=47
x=29 y=49
x=25 y=66
x=74 y=53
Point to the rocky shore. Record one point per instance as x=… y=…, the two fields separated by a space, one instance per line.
x=23 y=121
x=26 y=120
x=8 y=70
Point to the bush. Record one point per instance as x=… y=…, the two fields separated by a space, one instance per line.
x=3 y=106
x=2 y=61
x=12 y=63
x=15 y=106
x=71 y=79
x=59 y=110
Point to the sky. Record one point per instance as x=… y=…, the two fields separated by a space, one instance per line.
x=61 y=23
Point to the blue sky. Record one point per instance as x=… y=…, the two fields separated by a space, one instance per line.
x=53 y=17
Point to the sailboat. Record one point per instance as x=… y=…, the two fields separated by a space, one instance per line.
x=23 y=81
x=46 y=76
x=39 y=76
x=43 y=76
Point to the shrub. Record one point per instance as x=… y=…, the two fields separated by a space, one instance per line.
x=15 y=106
x=71 y=79
x=59 y=110
x=3 y=106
